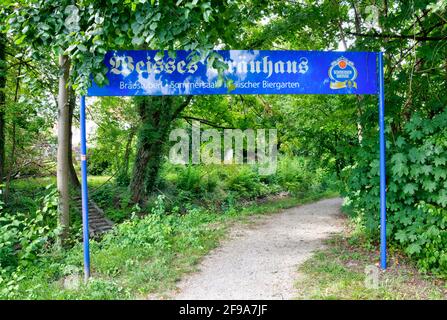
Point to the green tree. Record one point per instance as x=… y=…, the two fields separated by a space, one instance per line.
x=2 y=91
x=80 y=32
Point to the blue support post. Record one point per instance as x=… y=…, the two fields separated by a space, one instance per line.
x=84 y=190
x=382 y=165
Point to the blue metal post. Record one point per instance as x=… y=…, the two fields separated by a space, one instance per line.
x=382 y=165
x=84 y=192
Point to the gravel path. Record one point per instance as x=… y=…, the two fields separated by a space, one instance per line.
x=259 y=260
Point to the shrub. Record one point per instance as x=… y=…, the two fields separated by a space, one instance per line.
x=416 y=190
x=24 y=236
x=294 y=174
x=97 y=163
x=196 y=179
x=245 y=183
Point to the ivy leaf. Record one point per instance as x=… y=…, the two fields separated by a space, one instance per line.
x=400 y=141
x=20 y=39
x=398 y=157
x=375 y=167
x=413 y=248
x=137 y=41
x=230 y=85
x=416 y=155
x=43 y=26
x=99 y=79
x=136 y=27
x=400 y=169
x=120 y=41
x=429 y=185
x=440 y=161
x=439 y=173
x=159 y=55
x=157 y=17
x=392 y=187
x=410 y=188
x=426 y=169
x=442 y=198
x=172 y=54
x=416 y=134
x=82 y=48
x=401 y=236
x=415 y=171
x=406 y=220
x=150 y=37
x=206 y=15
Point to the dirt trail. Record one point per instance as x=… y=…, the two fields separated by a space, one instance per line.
x=259 y=261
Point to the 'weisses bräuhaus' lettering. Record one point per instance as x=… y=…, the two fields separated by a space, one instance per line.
x=125 y=65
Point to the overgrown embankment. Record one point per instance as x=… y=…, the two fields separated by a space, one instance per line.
x=151 y=247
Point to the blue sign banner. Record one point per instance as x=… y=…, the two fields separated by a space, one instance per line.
x=138 y=72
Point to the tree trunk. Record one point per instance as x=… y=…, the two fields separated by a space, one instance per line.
x=123 y=176
x=13 y=138
x=137 y=185
x=157 y=115
x=74 y=181
x=2 y=104
x=63 y=162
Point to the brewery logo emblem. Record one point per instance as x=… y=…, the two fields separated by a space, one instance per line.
x=343 y=74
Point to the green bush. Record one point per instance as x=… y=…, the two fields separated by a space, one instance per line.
x=196 y=179
x=189 y=179
x=246 y=183
x=144 y=245
x=294 y=174
x=416 y=190
x=97 y=163
x=24 y=236
x=218 y=183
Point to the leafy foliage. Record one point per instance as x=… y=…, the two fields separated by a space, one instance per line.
x=321 y=139
x=417 y=185
x=24 y=236
x=145 y=254
x=84 y=31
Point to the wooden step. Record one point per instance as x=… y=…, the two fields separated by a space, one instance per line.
x=98 y=223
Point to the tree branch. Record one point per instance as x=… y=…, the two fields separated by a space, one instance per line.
x=180 y=108
x=397 y=36
x=207 y=122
